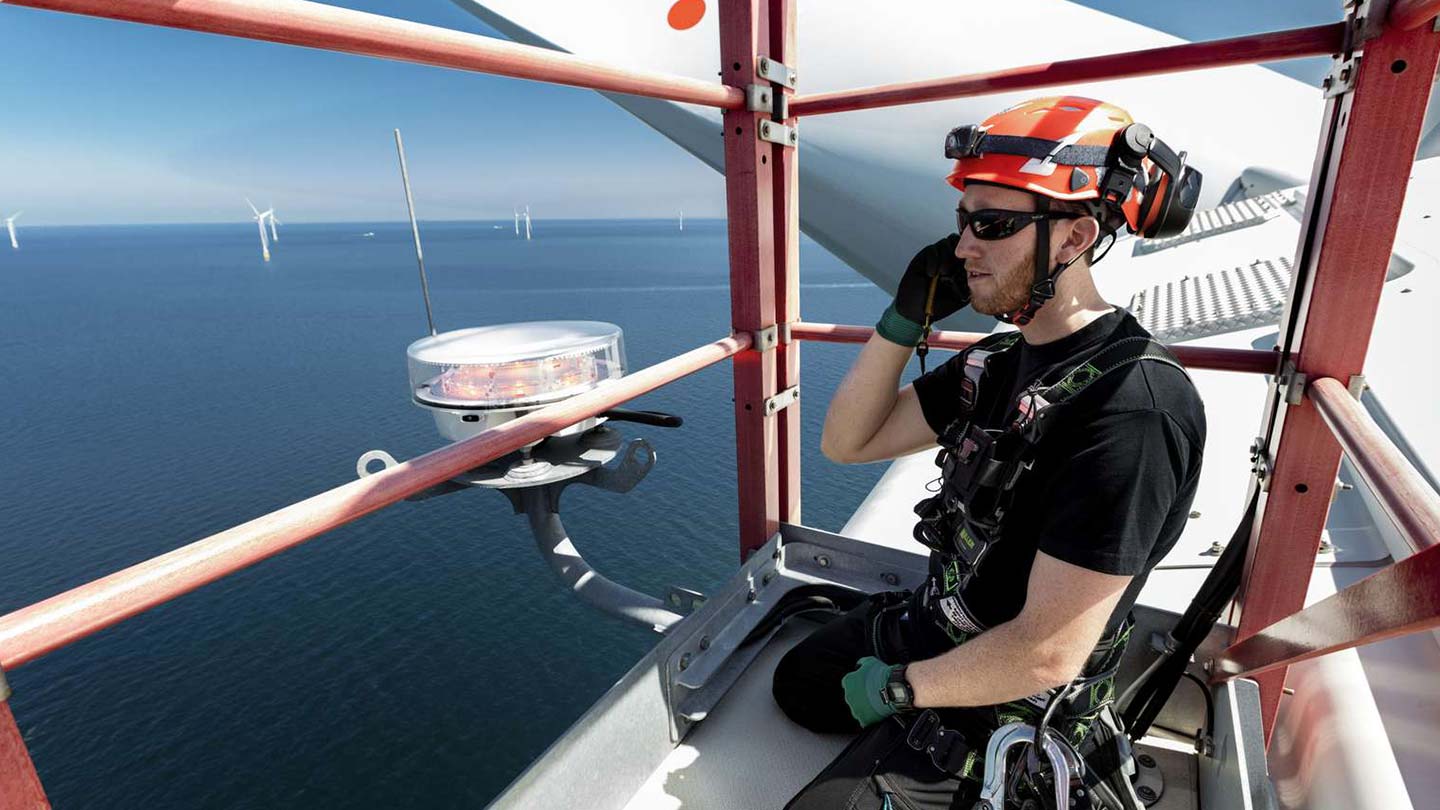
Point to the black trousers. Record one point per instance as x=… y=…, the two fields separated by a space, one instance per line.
x=877 y=770
x=807 y=680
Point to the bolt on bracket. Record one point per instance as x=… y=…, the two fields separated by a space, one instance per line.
x=779 y=133
x=1292 y=383
x=759 y=98
x=1357 y=386
x=1342 y=77
x=1260 y=463
x=764 y=340
x=782 y=400
x=777 y=72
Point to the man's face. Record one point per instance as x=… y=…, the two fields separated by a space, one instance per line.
x=1000 y=273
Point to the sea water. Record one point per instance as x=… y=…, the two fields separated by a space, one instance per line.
x=163 y=383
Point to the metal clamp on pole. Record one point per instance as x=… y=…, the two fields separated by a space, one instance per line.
x=1292 y=383
x=1357 y=386
x=4 y=687
x=782 y=400
x=766 y=339
x=776 y=72
x=759 y=98
x=779 y=133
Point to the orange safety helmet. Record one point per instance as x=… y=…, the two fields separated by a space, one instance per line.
x=1080 y=150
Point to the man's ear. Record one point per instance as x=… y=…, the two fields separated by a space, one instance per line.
x=1084 y=232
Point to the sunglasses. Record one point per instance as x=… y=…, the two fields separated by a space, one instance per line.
x=991 y=224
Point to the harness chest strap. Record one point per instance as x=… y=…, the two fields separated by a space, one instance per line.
x=1028 y=422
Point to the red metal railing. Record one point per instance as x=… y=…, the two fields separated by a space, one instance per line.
x=1214 y=359
x=1405 y=495
x=1357 y=188
x=33 y=631
x=1408 y=14
x=1362 y=172
x=316 y=25
x=1248 y=50
x=1401 y=599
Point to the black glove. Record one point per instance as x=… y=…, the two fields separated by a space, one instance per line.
x=905 y=321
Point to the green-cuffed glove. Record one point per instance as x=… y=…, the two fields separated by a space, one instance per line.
x=904 y=320
x=863 y=688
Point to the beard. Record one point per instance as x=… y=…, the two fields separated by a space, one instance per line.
x=1007 y=289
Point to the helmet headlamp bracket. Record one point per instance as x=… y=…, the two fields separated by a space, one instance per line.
x=964 y=142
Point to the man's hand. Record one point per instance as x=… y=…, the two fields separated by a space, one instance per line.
x=863 y=688
x=904 y=321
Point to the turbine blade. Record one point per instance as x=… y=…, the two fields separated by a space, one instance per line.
x=252 y=206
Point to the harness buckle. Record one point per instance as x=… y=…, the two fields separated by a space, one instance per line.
x=947 y=748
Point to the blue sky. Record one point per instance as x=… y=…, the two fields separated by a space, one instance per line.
x=109 y=122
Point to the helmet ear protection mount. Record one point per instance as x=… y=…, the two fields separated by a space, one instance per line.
x=1169 y=191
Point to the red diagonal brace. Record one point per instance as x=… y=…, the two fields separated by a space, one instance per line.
x=20 y=787
x=1395 y=601
x=1355 y=197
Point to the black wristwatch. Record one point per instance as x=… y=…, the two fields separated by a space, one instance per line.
x=897 y=693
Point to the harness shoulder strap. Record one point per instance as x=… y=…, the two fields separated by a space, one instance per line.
x=1087 y=372
x=1117 y=355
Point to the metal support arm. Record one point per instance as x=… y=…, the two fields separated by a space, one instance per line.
x=541 y=506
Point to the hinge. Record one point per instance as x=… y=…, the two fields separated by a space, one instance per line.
x=777 y=72
x=760 y=98
x=779 y=133
x=1358 y=386
x=1342 y=77
x=1292 y=383
x=782 y=400
x=765 y=339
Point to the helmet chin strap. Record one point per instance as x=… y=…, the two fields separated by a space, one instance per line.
x=1043 y=289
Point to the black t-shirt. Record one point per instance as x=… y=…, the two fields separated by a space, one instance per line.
x=1113 y=477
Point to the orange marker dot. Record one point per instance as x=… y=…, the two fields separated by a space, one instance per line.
x=686 y=14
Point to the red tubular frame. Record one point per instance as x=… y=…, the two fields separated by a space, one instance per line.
x=316 y=25
x=1404 y=494
x=1276 y=45
x=1408 y=14
x=1244 y=360
x=1398 y=600
x=1370 y=139
x=1392 y=602
x=750 y=199
x=33 y=631
x=1365 y=156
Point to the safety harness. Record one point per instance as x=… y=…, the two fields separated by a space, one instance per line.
x=981 y=469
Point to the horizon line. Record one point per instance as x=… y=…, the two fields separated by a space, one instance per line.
x=361 y=221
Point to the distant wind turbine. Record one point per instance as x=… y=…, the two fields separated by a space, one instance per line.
x=10 y=226
x=260 y=218
x=517 y=221
x=682 y=219
x=274 y=235
x=527 y=223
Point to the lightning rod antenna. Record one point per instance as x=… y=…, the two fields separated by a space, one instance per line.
x=415 y=229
